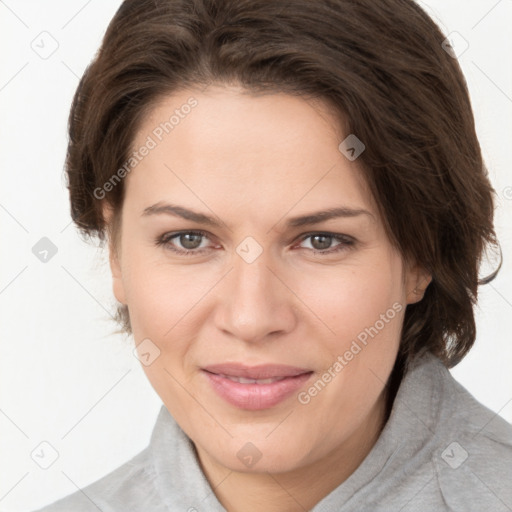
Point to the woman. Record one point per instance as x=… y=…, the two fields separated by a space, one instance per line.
x=296 y=208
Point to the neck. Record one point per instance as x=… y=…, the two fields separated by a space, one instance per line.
x=301 y=488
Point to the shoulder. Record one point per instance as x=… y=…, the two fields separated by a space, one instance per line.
x=164 y=476
x=126 y=488
x=473 y=455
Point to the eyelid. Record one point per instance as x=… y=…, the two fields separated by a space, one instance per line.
x=337 y=236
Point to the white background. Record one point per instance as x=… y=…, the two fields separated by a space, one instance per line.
x=65 y=378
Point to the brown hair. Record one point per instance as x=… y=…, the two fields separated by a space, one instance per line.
x=380 y=65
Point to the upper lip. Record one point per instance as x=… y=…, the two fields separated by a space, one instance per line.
x=263 y=371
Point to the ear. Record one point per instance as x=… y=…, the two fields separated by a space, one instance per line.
x=114 y=259
x=417 y=280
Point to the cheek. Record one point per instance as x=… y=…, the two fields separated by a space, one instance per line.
x=365 y=310
x=164 y=305
x=159 y=294
x=350 y=300
x=162 y=299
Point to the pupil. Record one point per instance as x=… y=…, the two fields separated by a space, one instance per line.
x=188 y=241
x=325 y=241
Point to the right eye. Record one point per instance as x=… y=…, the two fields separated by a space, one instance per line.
x=190 y=242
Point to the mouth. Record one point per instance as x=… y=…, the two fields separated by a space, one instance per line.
x=243 y=380
x=255 y=387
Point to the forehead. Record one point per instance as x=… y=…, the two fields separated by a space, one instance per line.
x=240 y=151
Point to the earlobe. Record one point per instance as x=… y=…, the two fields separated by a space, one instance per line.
x=117 y=276
x=114 y=259
x=417 y=284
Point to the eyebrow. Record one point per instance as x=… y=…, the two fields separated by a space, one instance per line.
x=303 y=220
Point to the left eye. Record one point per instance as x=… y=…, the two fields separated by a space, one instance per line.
x=322 y=242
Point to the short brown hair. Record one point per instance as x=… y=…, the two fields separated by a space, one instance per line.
x=382 y=68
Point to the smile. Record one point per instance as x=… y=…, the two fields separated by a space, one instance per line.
x=255 y=388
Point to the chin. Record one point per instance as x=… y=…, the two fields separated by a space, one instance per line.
x=258 y=455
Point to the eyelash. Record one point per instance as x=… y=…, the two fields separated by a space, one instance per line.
x=345 y=242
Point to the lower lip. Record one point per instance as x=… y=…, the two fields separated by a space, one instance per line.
x=255 y=397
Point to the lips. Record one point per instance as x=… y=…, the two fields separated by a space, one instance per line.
x=267 y=371
x=243 y=380
x=255 y=387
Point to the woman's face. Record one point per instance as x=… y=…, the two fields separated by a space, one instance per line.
x=271 y=339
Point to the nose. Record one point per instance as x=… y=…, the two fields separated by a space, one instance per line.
x=254 y=305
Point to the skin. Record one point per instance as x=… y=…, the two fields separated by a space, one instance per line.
x=253 y=162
